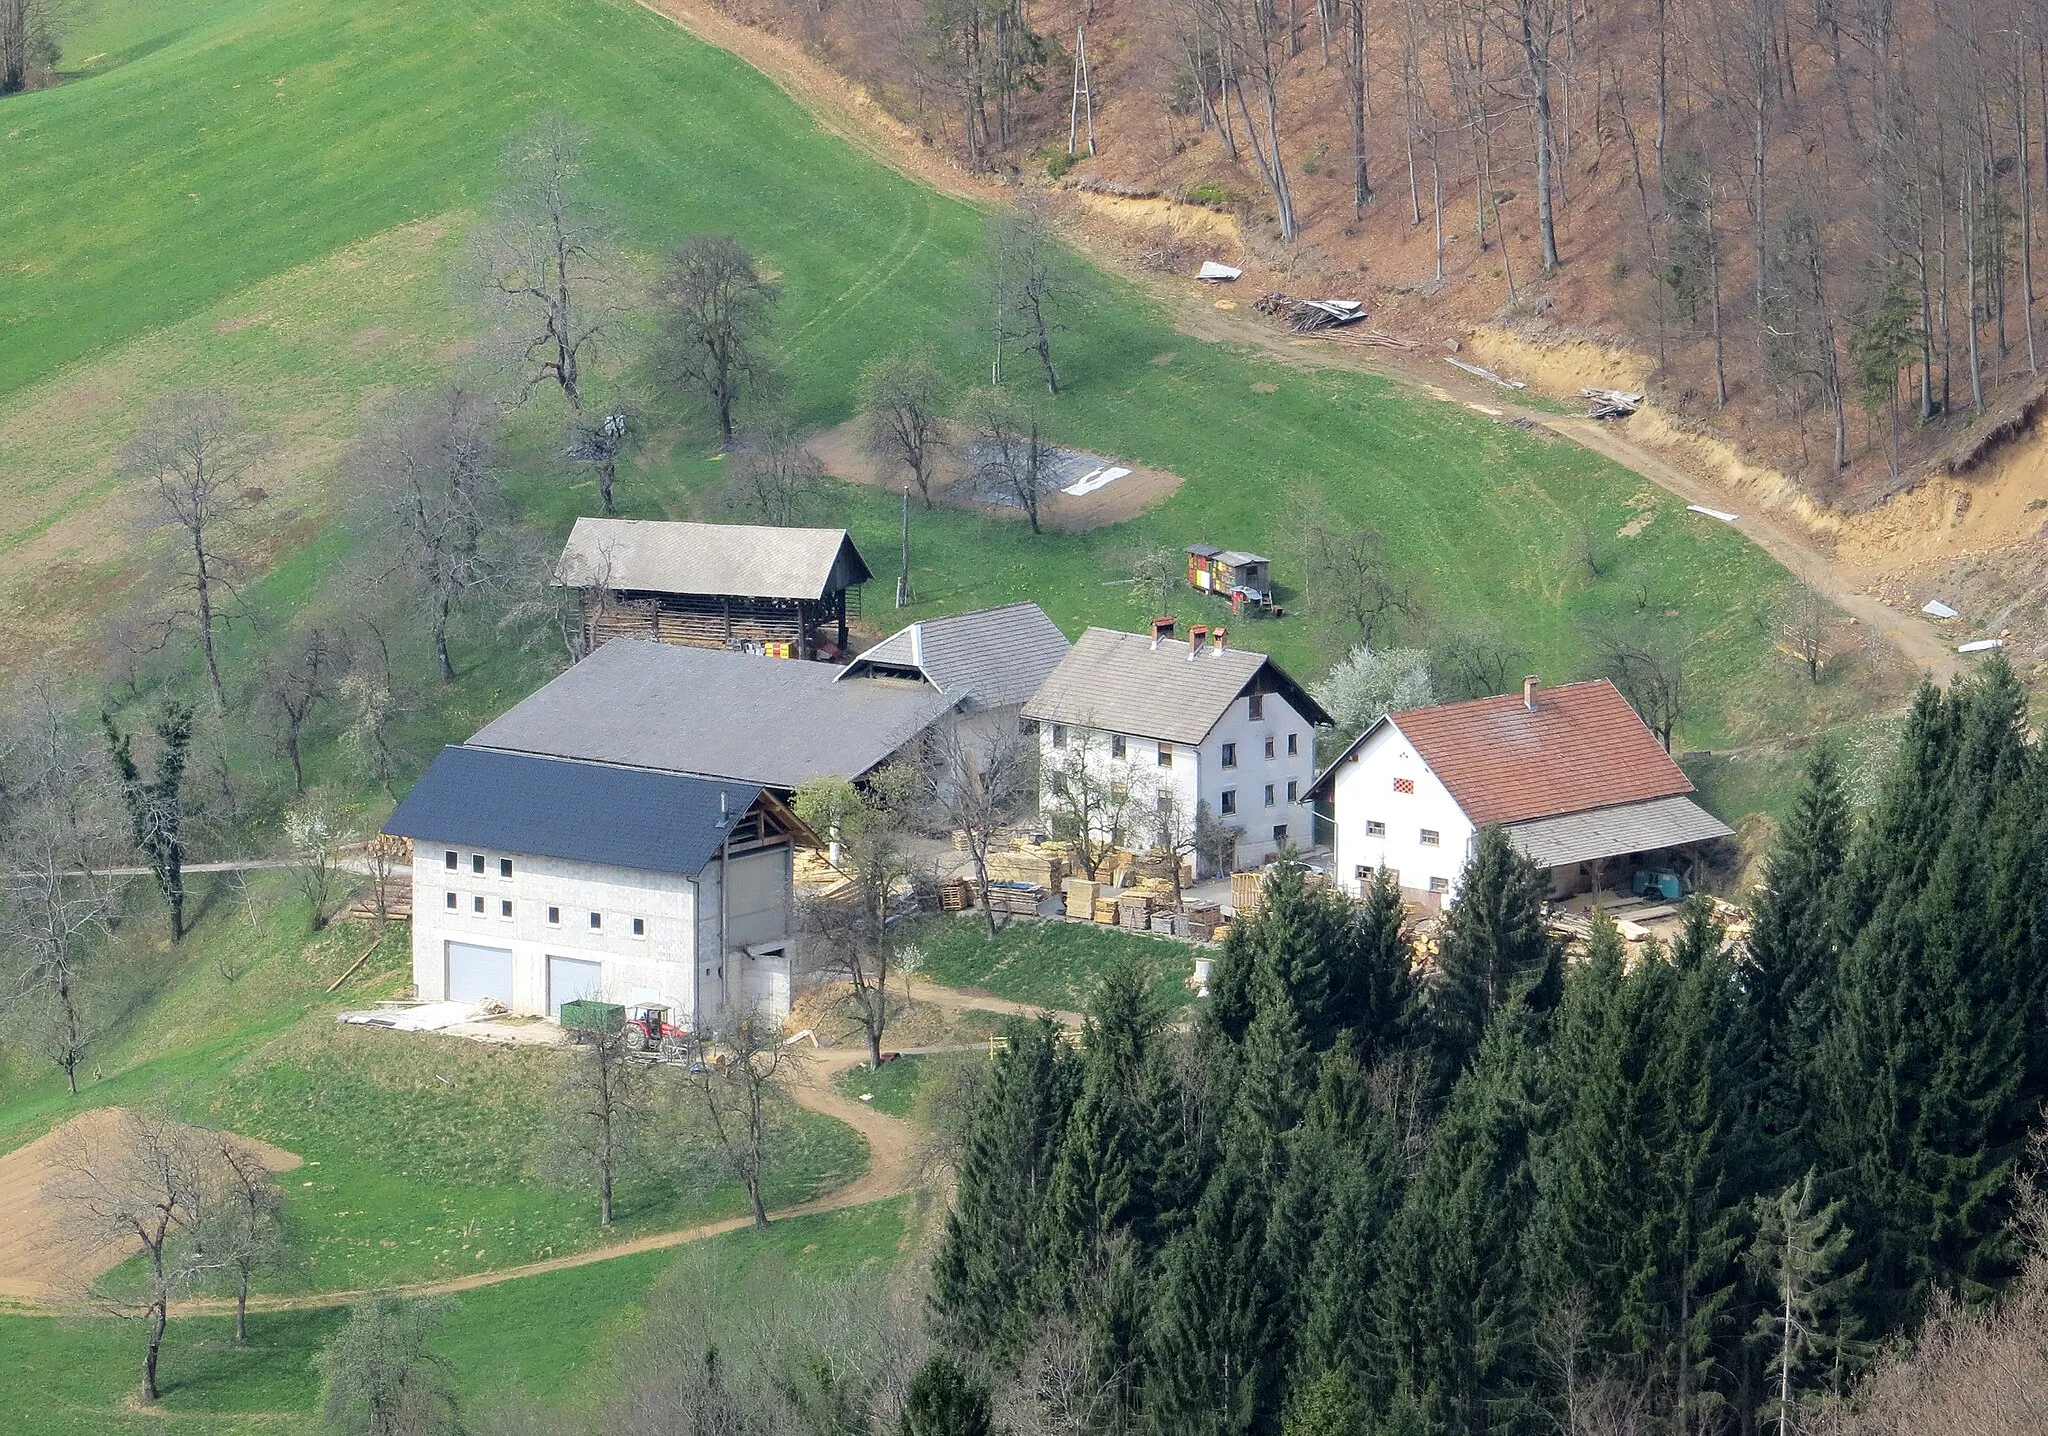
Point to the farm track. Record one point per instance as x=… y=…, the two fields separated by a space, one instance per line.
x=843 y=110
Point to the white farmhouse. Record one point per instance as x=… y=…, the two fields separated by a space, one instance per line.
x=1189 y=723
x=539 y=880
x=1573 y=774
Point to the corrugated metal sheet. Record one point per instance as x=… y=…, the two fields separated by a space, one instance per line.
x=1616 y=831
x=748 y=560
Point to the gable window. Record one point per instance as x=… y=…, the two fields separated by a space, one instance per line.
x=1230 y=755
x=1059 y=735
x=1404 y=785
x=1293 y=744
x=505 y=907
x=1229 y=801
x=476 y=862
x=555 y=916
x=1269 y=747
x=1116 y=745
x=451 y=860
x=1257 y=701
x=639 y=927
x=597 y=920
x=451 y=902
x=476 y=904
x=1280 y=833
x=504 y=867
x=1166 y=755
x=1165 y=802
x=1293 y=791
x=1375 y=830
x=1269 y=795
x=1431 y=838
x=1439 y=885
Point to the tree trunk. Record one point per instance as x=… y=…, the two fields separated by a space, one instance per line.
x=447 y=665
x=204 y=584
x=157 y=1316
x=242 y=1309
x=754 y=1202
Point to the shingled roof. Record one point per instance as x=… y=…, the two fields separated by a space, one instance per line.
x=990 y=658
x=740 y=559
x=1580 y=747
x=1123 y=683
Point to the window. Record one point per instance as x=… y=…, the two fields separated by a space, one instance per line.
x=451 y=901
x=1258 y=707
x=1431 y=838
x=1439 y=885
x=1165 y=802
x=476 y=862
x=505 y=907
x=1229 y=803
x=1269 y=748
x=1166 y=755
x=1230 y=755
x=1293 y=744
x=476 y=904
x=504 y=867
x=596 y=920
x=1059 y=735
x=1269 y=795
x=555 y=916
x=1116 y=745
x=1361 y=874
x=1280 y=833
x=639 y=927
x=1404 y=785
x=1293 y=791
x=1375 y=830
x=451 y=861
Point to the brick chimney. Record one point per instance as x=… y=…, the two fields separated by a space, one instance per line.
x=1216 y=641
x=1196 y=637
x=1529 y=687
x=1162 y=629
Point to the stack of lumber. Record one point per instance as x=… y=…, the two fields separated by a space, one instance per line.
x=1134 y=911
x=1105 y=911
x=1081 y=895
x=1040 y=867
x=955 y=895
x=1022 y=899
x=397 y=904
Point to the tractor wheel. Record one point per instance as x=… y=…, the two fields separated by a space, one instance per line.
x=636 y=1039
x=672 y=1049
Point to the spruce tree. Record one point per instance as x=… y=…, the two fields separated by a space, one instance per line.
x=1495 y=945
x=1100 y=1183
x=945 y=1399
x=1373 y=993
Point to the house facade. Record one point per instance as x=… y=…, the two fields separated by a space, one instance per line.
x=1187 y=723
x=1572 y=774
x=538 y=881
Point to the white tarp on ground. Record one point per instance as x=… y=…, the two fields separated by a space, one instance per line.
x=1935 y=608
x=427 y=1017
x=1982 y=645
x=1722 y=514
x=1212 y=270
x=1094 y=479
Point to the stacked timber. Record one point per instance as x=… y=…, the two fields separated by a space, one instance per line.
x=1134 y=911
x=1081 y=897
x=1039 y=867
x=1017 y=898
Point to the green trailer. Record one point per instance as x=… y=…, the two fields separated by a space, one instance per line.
x=586 y=1016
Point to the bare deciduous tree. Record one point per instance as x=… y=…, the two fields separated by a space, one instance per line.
x=1010 y=460
x=849 y=931
x=599 y=447
x=1154 y=575
x=901 y=398
x=1805 y=627
x=53 y=919
x=1025 y=281
x=755 y=1068
x=1091 y=795
x=31 y=40
x=380 y=1376
x=608 y=1092
x=775 y=478
x=195 y=454
x=298 y=680
x=977 y=776
x=713 y=307
x=1476 y=661
x=1651 y=675
x=241 y=1225
x=1351 y=581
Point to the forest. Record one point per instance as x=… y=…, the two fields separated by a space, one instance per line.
x=1712 y=1189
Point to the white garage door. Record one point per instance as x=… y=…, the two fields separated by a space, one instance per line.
x=475 y=973
x=570 y=979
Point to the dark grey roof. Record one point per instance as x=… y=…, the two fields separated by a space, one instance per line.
x=775 y=721
x=1124 y=683
x=990 y=658
x=750 y=559
x=1613 y=832
x=586 y=812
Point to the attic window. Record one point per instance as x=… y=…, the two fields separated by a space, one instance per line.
x=451 y=860
x=504 y=867
x=1059 y=735
x=1258 y=706
x=476 y=862
x=1166 y=755
x=1404 y=785
x=1431 y=838
x=1116 y=745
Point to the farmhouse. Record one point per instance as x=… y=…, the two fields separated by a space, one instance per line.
x=1186 y=724
x=540 y=880
x=1572 y=773
x=781 y=592
x=720 y=715
x=989 y=662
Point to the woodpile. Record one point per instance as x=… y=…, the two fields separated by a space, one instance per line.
x=1610 y=403
x=956 y=895
x=1371 y=339
x=1306 y=316
x=1040 y=867
x=1016 y=898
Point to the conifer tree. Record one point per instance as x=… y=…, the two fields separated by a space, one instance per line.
x=1372 y=989
x=1798 y=1254
x=1494 y=946
x=1100 y=1183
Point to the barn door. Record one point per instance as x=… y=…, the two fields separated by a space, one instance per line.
x=479 y=973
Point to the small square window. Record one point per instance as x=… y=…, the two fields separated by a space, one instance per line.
x=597 y=920
x=639 y=927
x=451 y=862
x=1269 y=747
x=555 y=916
x=1116 y=745
x=1229 y=801
x=1431 y=838
x=476 y=904
x=1280 y=833
x=1258 y=707
x=1293 y=744
x=504 y=907
x=1293 y=791
x=1230 y=755
x=1059 y=735
x=1361 y=874
x=504 y=867
x=1269 y=795
x=1375 y=830
x=451 y=901
x=1166 y=755
x=1439 y=885
x=476 y=862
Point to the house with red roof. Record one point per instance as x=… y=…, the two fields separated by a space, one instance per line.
x=1572 y=773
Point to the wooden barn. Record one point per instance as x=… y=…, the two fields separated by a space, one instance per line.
x=782 y=592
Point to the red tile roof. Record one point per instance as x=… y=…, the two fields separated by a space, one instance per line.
x=1583 y=747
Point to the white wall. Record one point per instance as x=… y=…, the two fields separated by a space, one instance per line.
x=1365 y=793
x=679 y=915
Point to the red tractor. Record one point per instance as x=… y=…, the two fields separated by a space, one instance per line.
x=648 y=1029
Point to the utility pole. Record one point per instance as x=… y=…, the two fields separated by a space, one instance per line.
x=1084 y=97
x=903 y=577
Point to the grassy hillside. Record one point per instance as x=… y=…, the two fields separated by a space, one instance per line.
x=271 y=197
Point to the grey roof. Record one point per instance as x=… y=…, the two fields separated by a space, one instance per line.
x=1238 y=558
x=587 y=812
x=1122 y=683
x=775 y=721
x=749 y=559
x=1613 y=832
x=990 y=658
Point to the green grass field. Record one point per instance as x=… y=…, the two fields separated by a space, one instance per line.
x=272 y=198
x=1049 y=963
